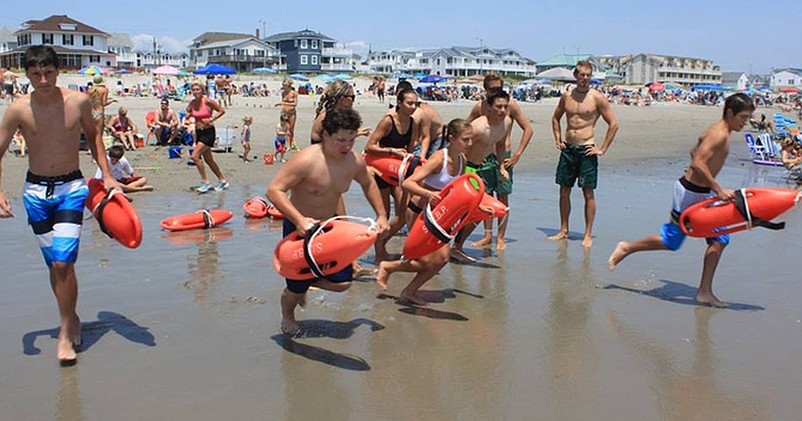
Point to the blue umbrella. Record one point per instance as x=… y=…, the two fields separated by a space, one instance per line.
x=343 y=76
x=432 y=79
x=707 y=87
x=400 y=75
x=122 y=71
x=326 y=78
x=215 y=69
x=298 y=76
x=264 y=70
x=419 y=75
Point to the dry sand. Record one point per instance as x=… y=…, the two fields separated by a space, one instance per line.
x=186 y=326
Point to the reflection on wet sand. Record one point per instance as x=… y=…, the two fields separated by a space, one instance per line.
x=692 y=393
x=68 y=404
x=204 y=271
x=571 y=355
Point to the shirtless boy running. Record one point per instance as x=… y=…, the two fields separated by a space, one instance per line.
x=697 y=184
x=579 y=154
x=51 y=119
x=307 y=190
x=490 y=132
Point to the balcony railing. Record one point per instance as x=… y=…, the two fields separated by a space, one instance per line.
x=238 y=58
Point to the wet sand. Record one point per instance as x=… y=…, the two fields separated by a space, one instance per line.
x=186 y=326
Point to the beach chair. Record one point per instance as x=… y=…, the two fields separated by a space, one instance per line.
x=150 y=121
x=225 y=139
x=757 y=151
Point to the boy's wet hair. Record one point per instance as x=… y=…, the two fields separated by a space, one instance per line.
x=116 y=151
x=40 y=56
x=495 y=94
x=341 y=119
x=737 y=103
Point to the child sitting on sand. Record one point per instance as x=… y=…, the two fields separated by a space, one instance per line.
x=790 y=155
x=282 y=129
x=247 y=121
x=121 y=171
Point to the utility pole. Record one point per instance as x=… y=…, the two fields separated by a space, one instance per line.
x=264 y=35
x=481 y=52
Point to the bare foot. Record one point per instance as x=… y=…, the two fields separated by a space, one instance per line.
x=618 y=255
x=460 y=256
x=382 y=276
x=484 y=242
x=559 y=236
x=501 y=244
x=66 y=354
x=412 y=299
x=75 y=335
x=290 y=327
x=587 y=242
x=709 y=299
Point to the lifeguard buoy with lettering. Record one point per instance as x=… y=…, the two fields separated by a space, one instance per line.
x=116 y=215
x=392 y=168
x=202 y=219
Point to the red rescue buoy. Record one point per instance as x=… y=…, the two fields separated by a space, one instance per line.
x=116 y=215
x=489 y=202
x=392 y=168
x=438 y=225
x=752 y=207
x=205 y=218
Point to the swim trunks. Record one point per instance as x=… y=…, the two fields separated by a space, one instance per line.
x=300 y=287
x=490 y=171
x=55 y=208
x=685 y=195
x=206 y=136
x=281 y=144
x=575 y=165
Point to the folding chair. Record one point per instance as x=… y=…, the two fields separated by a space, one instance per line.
x=756 y=150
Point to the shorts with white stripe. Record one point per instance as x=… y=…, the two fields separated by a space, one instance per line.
x=55 y=213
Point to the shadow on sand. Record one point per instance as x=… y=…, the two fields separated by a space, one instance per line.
x=91 y=332
x=680 y=293
x=431 y=296
x=318 y=328
x=572 y=235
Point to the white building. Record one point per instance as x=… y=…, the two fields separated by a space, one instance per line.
x=455 y=61
x=149 y=59
x=76 y=43
x=120 y=43
x=241 y=52
x=8 y=41
x=640 y=69
x=735 y=80
x=786 y=77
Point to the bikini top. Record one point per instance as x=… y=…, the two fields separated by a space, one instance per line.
x=203 y=111
x=441 y=179
x=394 y=139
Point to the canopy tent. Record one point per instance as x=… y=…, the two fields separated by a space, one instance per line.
x=215 y=69
x=433 y=79
x=557 y=74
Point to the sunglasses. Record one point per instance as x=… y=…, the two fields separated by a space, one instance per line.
x=349 y=96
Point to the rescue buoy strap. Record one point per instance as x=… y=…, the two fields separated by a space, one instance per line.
x=100 y=207
x=431 y=224
x=208 y=219
x=311 y=232
x=742 y=205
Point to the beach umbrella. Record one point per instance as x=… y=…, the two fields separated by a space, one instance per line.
x=343 y=76
x=400 y=75
x=122 y=71
x=419 y=75
x=215 y=69
x=789 y=90
x=264 y=71
x=558 y=74
x=92 y=71
x=432 y=79
x=325 y=78
x=657 y=87
x=166 y=70
x=298 y=76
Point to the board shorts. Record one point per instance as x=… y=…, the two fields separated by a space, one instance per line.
x=281 y=144
x=490 y=171
x=435 y=145
x=576 y=167
x=300 y=287
x=206 y=136
x=685 y=195
x=55 y=208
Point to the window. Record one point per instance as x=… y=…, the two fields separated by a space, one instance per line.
x=67 y=39
x=314 y=44
x=303 y=44
x=314 y=60
x=94 y=59
x=89 y=40
x=304 y=59
x=47 y=38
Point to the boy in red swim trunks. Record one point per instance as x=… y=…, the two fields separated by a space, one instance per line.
x=307 y=190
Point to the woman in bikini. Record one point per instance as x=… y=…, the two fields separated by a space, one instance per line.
x=396 y=134
x=203 y=109
x=122 y=128
x=424 y=185
x=289 y=104
x=99 y=95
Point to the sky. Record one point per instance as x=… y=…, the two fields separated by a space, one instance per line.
x=752 y=37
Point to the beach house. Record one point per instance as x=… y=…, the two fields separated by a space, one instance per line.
x=76 y=43
x=735 y=80
x=643 y=68
x=241 y=52
x=308 y=51
x=782 y=78
x=454 y=61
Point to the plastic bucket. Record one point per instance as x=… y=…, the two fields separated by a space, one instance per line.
x=174 y=152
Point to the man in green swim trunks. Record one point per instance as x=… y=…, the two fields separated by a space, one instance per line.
x=490 y=169
x=579 y=156
x=489 y=134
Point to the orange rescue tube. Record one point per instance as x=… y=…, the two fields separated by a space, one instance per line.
x=116 y=215
x=392 y=168
x=332 y=247
x=258 y=207
x=437 y=226
x=758 y=205
x=489 y=202
x=205 y=218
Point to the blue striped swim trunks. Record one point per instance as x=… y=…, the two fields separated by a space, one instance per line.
x=55 y=207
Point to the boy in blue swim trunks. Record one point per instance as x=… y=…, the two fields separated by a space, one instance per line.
x=51 y=119
x=308 y=189
x=698 y=183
